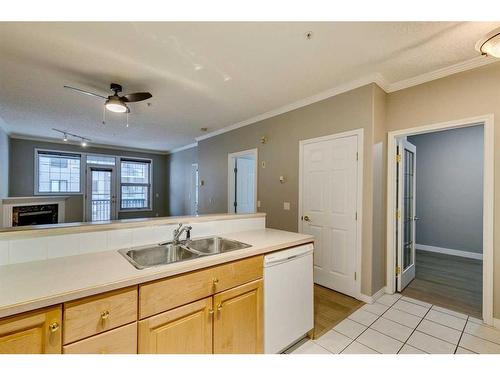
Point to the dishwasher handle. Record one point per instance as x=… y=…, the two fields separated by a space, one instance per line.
x=287 y=255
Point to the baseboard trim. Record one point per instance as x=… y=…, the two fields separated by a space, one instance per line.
x=458 y=253
x=496 y=323
x=370 y=299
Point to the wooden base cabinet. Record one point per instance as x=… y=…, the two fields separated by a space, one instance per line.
x=228 y=322
x=37 y=332
x=238 y=320
x=184 y=330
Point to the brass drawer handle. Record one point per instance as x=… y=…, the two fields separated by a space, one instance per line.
x=105 y=315
x=215 y=281
x=53 y=327
x=211 y=311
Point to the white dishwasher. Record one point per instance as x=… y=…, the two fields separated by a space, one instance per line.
x=288 y=297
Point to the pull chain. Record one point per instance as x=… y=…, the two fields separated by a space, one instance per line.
x=104 y=115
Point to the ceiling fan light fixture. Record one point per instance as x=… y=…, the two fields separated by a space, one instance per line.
x=115 y=105
x=490 y=44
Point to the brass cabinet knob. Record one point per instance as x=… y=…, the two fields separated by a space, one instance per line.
x=215 y=281
x=219 y=307
x=306 y=218
x=211 y=311
x=105 y=315
x=53 y=327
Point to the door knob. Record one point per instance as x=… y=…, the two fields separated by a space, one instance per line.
x=306 y=218
x=416 y=218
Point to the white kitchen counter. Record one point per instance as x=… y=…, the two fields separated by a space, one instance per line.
x=28 y=286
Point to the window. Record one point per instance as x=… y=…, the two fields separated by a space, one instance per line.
x=58 y=172
x=100 y=160
x=135 y=187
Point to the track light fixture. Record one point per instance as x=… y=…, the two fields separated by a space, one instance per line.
x=83 y=140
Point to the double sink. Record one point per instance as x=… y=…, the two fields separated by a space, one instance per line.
x=172 y=252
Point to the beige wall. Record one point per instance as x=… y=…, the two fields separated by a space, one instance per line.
x=4 y=163
x=348 y=111
x=468 y=94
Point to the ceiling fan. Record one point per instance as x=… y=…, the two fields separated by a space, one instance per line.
x=115 y=102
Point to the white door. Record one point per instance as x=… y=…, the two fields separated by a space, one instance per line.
x=406 y=181
x=100 y=194
x=193 y=195
x=245 y=184
x=329 y=201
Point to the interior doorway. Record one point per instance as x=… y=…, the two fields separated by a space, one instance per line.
x=193 y=195
x=242 y=182
x=440 y=200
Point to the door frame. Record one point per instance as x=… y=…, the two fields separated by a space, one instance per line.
x=488 y=201
x=197 y=188
x=88 y=189
x=230 y=182
x=359 y=196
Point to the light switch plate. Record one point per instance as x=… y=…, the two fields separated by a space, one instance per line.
x=258 y=204
x=286 y=206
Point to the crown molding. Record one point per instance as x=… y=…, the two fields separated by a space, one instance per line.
x=90 y=146
x=372 y=78
x=183 y=148
x=473 y=63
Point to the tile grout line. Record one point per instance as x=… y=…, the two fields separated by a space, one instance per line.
x=460 y=339
x=378 y=317
x=412 y=332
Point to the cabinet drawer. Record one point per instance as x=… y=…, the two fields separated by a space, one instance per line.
x=163 y=295
x=88 y=316
x=121 y=340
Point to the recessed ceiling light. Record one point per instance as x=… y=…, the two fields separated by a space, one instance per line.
x=84 y=143
x=490 y=44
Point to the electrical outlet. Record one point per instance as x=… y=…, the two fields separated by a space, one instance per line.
x=258 y=204
x=286 y=206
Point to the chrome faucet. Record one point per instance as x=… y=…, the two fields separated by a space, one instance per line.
x=178 y=232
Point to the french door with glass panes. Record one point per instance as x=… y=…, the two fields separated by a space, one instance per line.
x=406 y=181
x=101 y=193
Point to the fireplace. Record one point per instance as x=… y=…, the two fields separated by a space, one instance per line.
x=35 y=214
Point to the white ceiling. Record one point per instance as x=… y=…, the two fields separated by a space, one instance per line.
x=202 y=74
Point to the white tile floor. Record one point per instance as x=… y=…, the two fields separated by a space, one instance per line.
x=402 y=325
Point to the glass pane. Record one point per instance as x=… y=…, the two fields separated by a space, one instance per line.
x=102 y=160
x=408 y=209
x=58 y=173
x=101 y=195
x=135 y=172
x=135 y=197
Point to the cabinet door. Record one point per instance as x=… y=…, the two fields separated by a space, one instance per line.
x=184 y=330
x=238 y=320
x=37 y=332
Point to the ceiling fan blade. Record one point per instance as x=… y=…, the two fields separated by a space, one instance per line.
x=85 y=92
x=136 y=97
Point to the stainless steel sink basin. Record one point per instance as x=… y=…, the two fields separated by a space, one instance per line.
x=157 y=255
x=166 y=253
x=214 y=245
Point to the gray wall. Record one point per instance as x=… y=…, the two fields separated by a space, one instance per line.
x=21 y=182
x=180 y=181
x=450 y=188
x=4 y=164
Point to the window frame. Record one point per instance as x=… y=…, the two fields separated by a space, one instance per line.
x=36 y=184
x=148 y=185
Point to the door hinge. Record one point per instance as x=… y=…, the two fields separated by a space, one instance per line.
x=356 y=216
x=357 y=155
x=355 y=276
x=235 y=204
x=398 y=214
x=398 y=158
x=235 y=170
x=398 y=270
